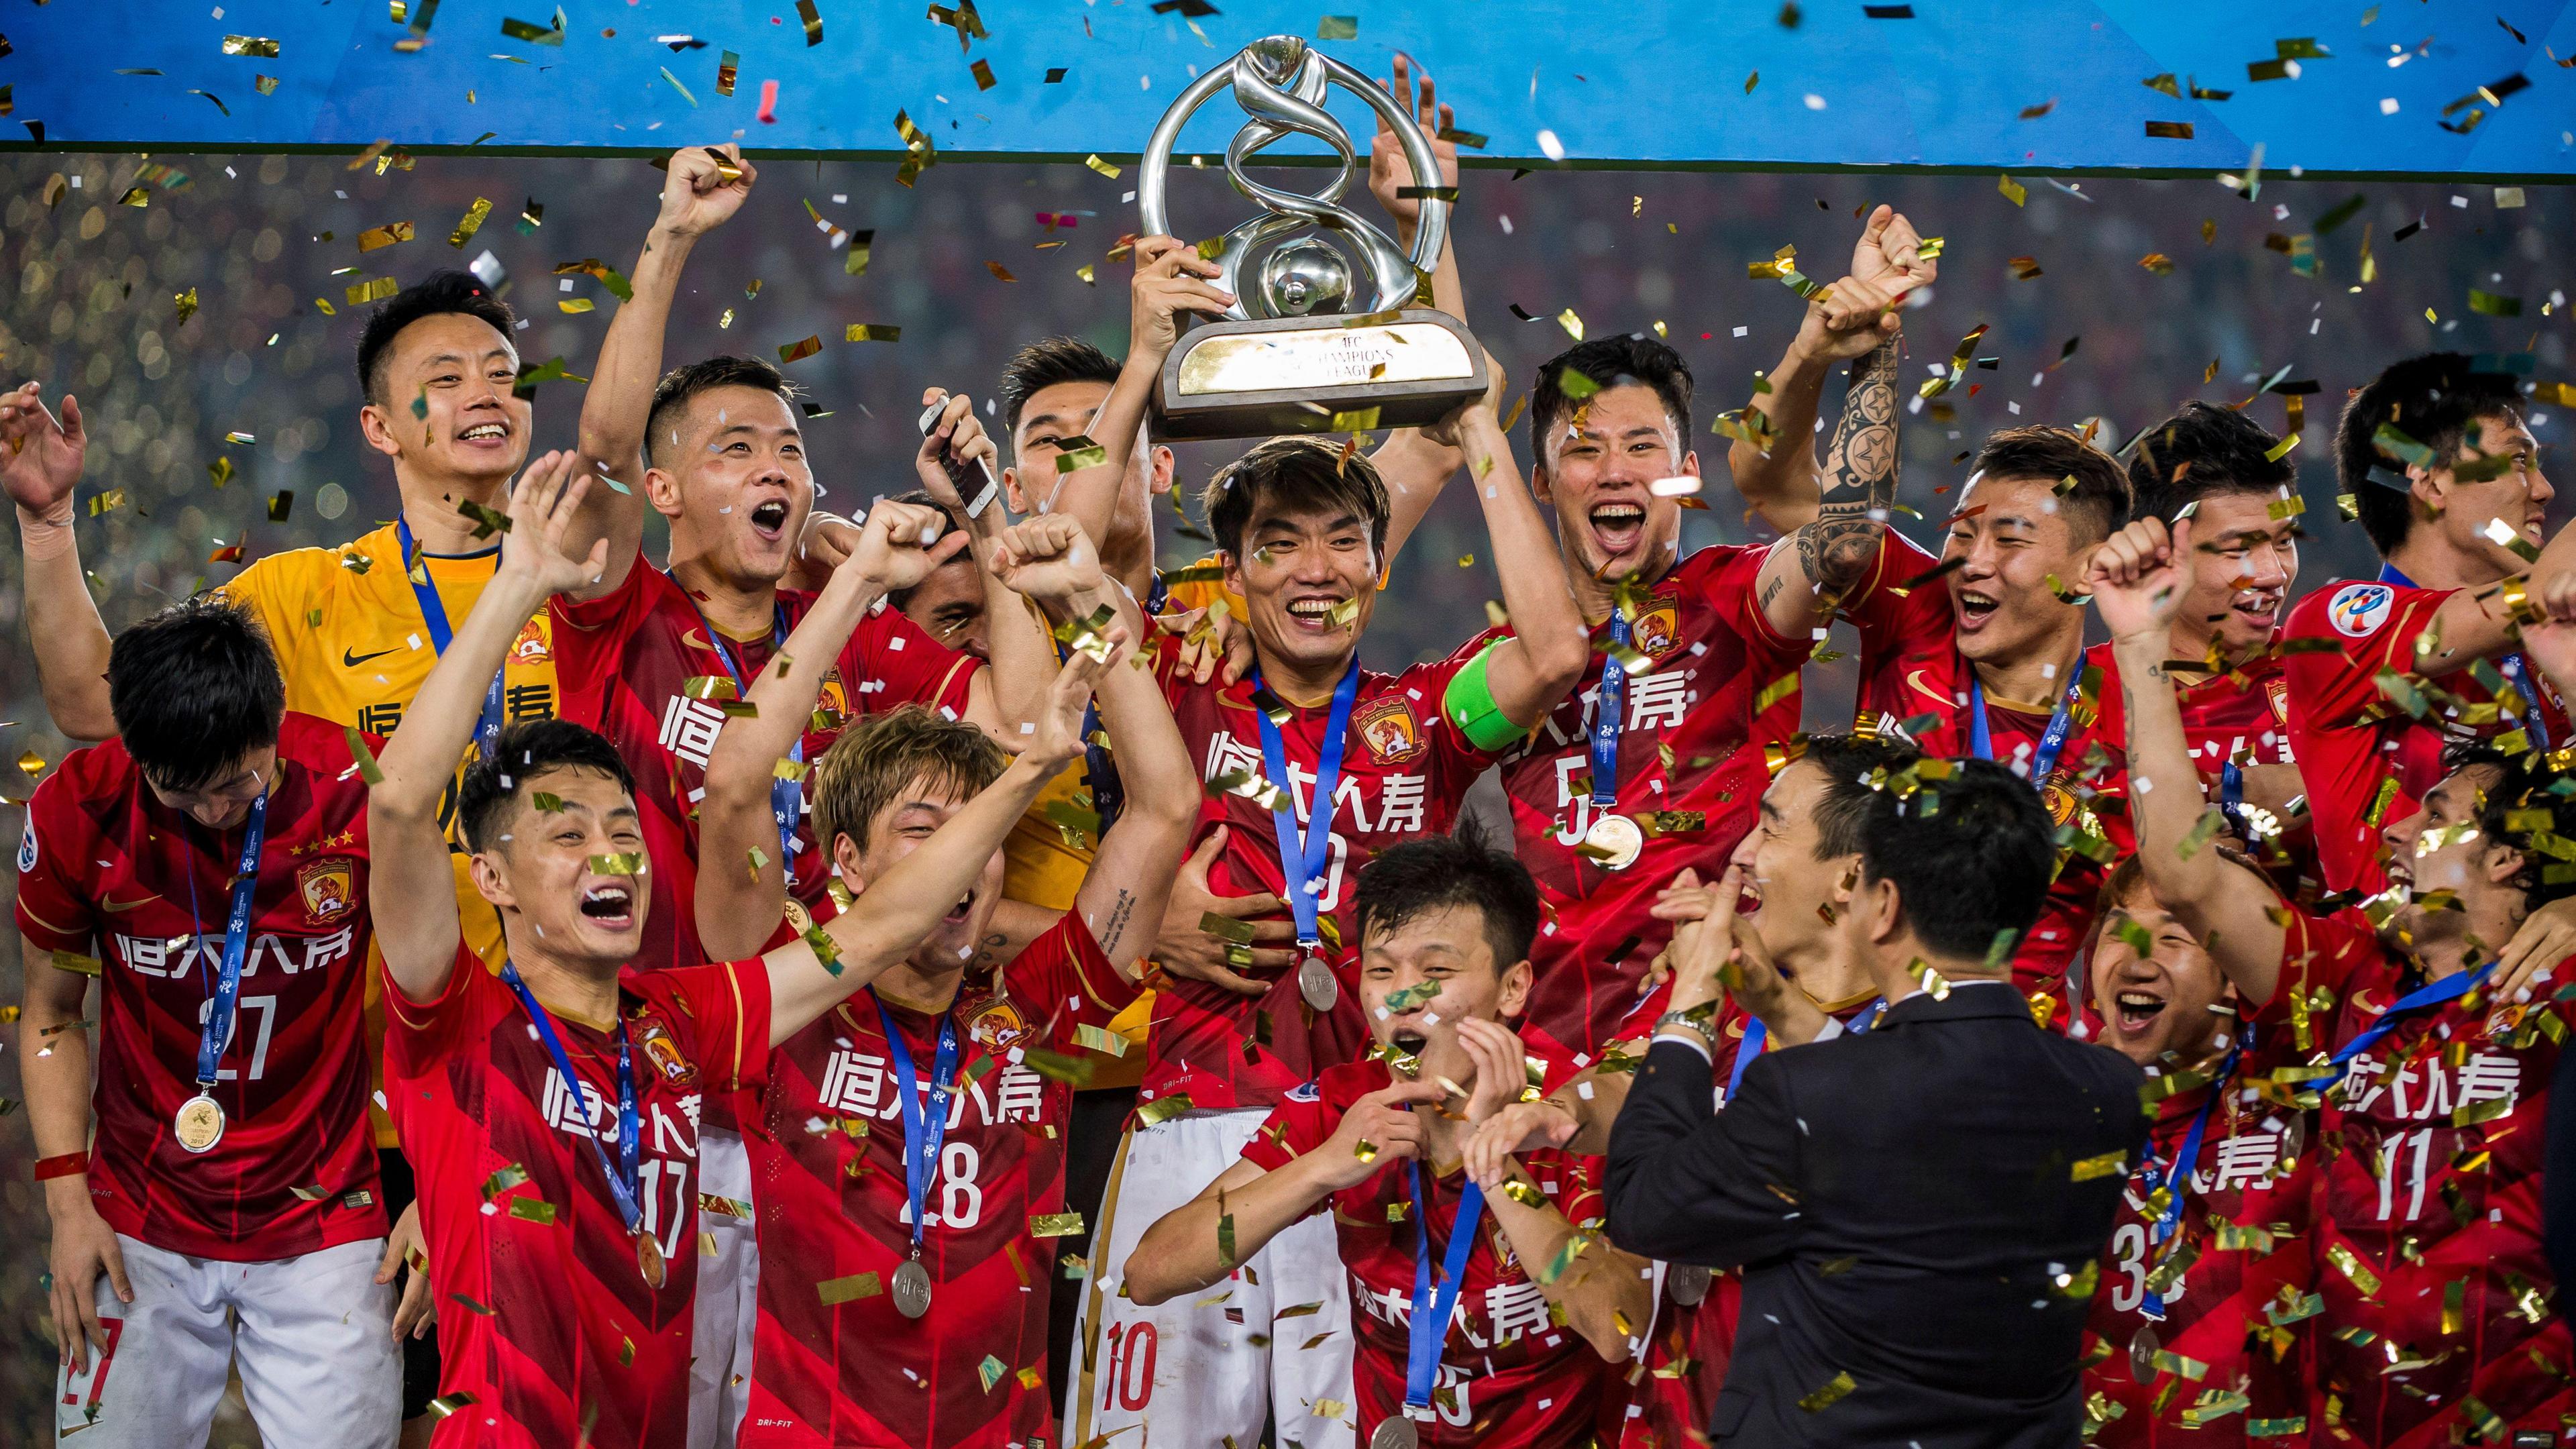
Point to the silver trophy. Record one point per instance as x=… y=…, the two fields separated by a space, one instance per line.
x=1298 y=352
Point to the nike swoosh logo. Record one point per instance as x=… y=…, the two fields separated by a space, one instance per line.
x=353 y=660
x=128 y=905
x=1937 y=697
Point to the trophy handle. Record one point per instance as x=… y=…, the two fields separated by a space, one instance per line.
x=1276 y=112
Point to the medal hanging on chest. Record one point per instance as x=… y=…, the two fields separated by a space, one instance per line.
x=199 y=1123
x=1302 y=853
x=624 y=1175
x=1613 y=840
x=925 y=1126
x=1434 y=1303
x=1688 y=1283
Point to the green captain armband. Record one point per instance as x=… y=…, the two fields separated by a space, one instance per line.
x=1469 y=703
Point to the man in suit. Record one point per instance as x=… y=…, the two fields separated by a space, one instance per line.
x=1915 y=1209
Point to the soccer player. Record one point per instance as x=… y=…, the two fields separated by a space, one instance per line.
x=1793 y=876
x=2243 y=495
x=2433 y=1059
x=1491 y=1309
x=2202 y=1316
x=1313 y=764
x=911 y=1255
x=1653 y=763
x=2447 y=481
x=213 y=855
x=561 y=1199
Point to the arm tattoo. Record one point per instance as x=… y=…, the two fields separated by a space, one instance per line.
x=1859 y=480
x=1114 y=925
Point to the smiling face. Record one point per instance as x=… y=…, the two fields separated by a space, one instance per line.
x=730 y=473
x=223 y=802
x=1789 y=890
x=2243 y=563
x=915 y=814
x=1057 y=414
x=2013 y=536
x=2168 y=1001
x=1446 y=950
x=1301 y=568
x=448 y=415
x=2520 y=496
x=1594 y=467
x=2441 y=848
x=541 y=870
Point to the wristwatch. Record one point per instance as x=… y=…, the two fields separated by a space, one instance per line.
x=1693 y=1020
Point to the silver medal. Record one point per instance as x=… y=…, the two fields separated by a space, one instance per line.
x=1395 y=1432
x=912 y=1289
x=2142 y=1355
x=1316 y=983
x=1614 y=841
x=1688 y=1283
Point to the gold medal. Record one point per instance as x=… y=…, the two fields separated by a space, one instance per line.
x=199 y=1124
x=799 y=919
x=1613 y=842
x=648 y=1256
x=1316 y=983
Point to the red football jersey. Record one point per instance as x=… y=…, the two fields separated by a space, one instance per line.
x=2436 y=1289
x=544 y=1316
x=2241 y=716
x=1911 y=667
x=624 y=660
x=835 y=1363
x=2366 y=760
x=2238 y=1316
x=106 y=868
x=1405 y=767
x=1692 y=1343
x=1508 y=1378
x=1691 y=740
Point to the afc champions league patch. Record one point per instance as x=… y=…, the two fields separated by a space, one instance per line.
x=1387 y=727
x=2359 y=609
x=27 y=848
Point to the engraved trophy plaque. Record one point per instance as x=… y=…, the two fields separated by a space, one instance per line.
x=1303 y=350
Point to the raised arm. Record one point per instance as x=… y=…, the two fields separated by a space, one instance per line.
x=1414 y=466
x=889 y=920
x=1008 y=692
x=1184 y=1251
x=1845 y=322
x=1549 y=648
x=411 y=889
x=705 y=186
x=742 y=883
x=1806 y=574
x=40 y=466
x=2137 y=579
x=1123 y=895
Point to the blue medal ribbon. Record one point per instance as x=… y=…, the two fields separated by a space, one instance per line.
x=786 y=797
x=625 y=1178
x=2438 y=993
x=923 y=1128
x=1757 y=1040
x=2231 y=795
x=433 y=615
x=2515 y=668
x=1302 y=853
x=217 y=1033
x=2178 y=1179
x=1433 y=1306
x=2043 y=761
x=1609 y=711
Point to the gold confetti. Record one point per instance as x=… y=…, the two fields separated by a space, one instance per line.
x=628 y=862
x=871 y=332
x=187 y=304
x=1829 y=1394
x=371 y=291
x=574 y=306
x=1104 y=168
x=835 y=1291
x=1055 y=1225
x=377 y=237
x=1572 y=324
x=470 y=223
x=813 y=19
x=2109 y=1164
x=799 y=351
x=2013 y=191
x=251 y=45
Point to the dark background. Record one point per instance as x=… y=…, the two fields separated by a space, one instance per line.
x=93 y=314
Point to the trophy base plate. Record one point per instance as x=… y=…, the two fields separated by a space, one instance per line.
x=1318 y=375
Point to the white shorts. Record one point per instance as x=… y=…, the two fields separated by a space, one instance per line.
x=313 y=1337
x=1207 y=1367
x=728 y=1307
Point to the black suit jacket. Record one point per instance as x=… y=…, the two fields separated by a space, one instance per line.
x=1901 y=1204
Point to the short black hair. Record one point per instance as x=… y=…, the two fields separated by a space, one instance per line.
x=435 y=295
x=2504 y=814
x=1042 y=365
x=1294 y=472
x=2438 y=400
x=2099 y=497
x=1969 y=853
x=194 y=688
x=948 y=524
x=524 y=752
x=681 y=384
x=1848 y=762
x=2202 y=450
x=1630 y=359
x=1436 y=872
